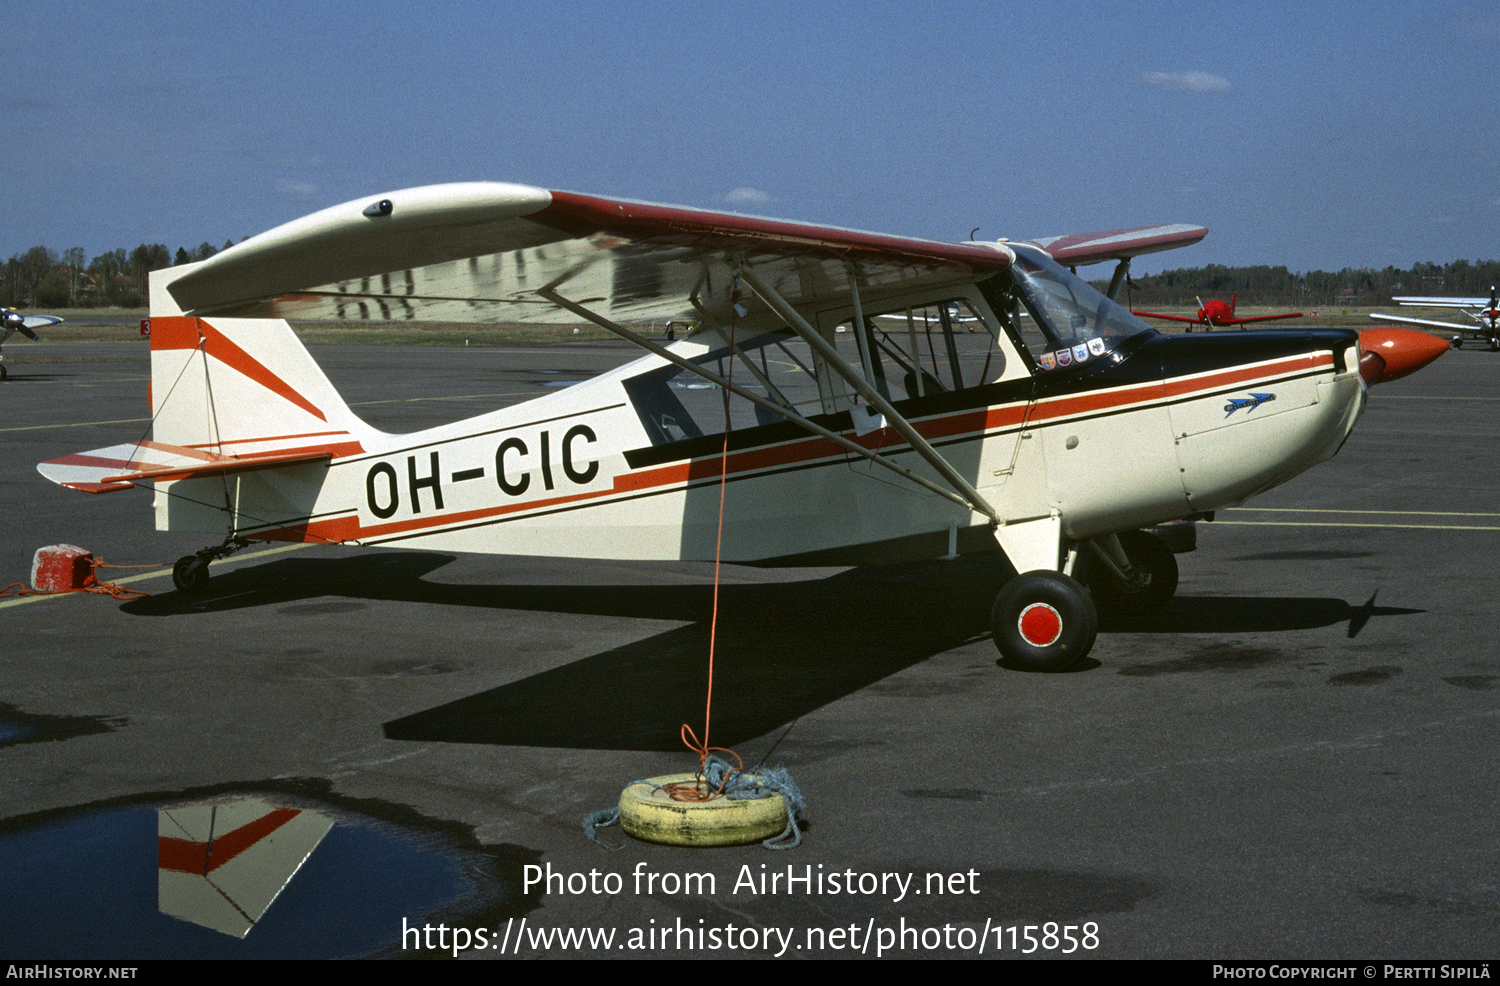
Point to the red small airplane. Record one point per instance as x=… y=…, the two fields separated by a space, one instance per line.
x=1216 y=313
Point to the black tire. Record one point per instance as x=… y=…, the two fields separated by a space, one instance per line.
x=1043 y=621
x=3 y=374
x=190 y=574
x=1149 y=553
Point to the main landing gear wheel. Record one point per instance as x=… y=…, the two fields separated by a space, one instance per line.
x=1150 y=556
x=190 y=574
x=1044 y=621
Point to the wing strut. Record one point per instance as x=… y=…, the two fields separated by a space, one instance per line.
x=970 y=497
x=551 y=295
x=1122 y=271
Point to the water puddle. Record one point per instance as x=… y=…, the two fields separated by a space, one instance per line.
x=249 y=873
x=27 y=727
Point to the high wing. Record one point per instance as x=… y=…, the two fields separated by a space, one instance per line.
x=482 y=251
x=1262 y=318
x=1083 y=249
x=1454 y=326
x=1170 y=318
x=1436 y=302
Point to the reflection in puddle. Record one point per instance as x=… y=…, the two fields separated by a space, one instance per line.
x=241 y=875
x=221 y=866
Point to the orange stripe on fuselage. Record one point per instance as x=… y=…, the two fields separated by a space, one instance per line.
x=977 y=423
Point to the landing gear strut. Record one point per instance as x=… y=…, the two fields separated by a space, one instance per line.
x=190 y=574
x=1137 y=584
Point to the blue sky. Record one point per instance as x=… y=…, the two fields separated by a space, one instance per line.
x=1307 y=135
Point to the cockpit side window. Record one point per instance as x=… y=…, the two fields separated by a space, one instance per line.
x=925 y=349
x=907 y=353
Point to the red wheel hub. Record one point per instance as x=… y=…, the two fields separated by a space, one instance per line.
x=1040 y=625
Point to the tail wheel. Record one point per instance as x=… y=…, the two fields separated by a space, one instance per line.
x=1149 y=555
x=190 y=574
x=1044 y=621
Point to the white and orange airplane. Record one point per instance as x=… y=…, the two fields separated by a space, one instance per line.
x=1053 y=436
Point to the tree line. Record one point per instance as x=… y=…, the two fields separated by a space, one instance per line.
x=43 y=278
x=1363 y=287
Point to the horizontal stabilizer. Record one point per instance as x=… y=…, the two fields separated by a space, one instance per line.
x=120 y=467
x=1428 y=301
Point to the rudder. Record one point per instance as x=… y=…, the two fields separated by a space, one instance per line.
x=242 y=386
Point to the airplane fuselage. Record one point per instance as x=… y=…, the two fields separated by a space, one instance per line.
x=1136 y=439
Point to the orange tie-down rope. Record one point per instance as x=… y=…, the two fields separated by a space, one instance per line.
x=90 y=584
x=704 y=787
x=700 y=789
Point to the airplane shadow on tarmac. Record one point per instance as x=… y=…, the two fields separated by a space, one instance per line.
x=783 y=649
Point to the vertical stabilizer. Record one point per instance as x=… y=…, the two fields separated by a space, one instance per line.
x=238 y=386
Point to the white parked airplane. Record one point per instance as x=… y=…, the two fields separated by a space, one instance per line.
x=1486 y=316
x=1051 y=437
x=12 y=322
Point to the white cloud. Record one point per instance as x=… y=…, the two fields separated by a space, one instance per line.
x=747 y=196
x=298 y=190
x=1185 y=81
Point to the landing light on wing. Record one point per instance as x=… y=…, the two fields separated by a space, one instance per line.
x=1389 y=353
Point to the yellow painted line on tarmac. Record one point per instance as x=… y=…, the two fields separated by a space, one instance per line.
x=158 y=573
x=1329 y=523
x=1429 y=397
x=1384 y=513
x=1407 y=525
x=78 y=424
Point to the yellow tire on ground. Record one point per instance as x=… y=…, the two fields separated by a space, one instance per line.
x=648 y=813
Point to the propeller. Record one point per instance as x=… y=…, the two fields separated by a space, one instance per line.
x=14 y=321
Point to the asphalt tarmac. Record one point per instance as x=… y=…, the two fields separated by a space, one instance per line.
x=1298 y=758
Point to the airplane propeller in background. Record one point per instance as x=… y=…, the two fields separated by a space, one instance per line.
x=12 y=322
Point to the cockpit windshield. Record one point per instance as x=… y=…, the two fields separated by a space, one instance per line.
x=1073 y=322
